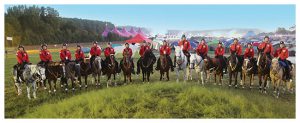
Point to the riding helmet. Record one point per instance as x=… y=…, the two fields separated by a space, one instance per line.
x=266 y=37
x=78 y=45
x=65 y=44
x=126 y=43
x=20 y=46
x=183 y=36
x=95 y=42
x=281 y=42
x=44 y=44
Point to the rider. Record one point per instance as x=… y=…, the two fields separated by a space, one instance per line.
x=267 y=47
x=79 y=55
x=219 y=53
x=165 y=50
x=144 y=47
x=65 y=54
x=108 y=51
x=127 y=52
x=249 y=54
x=94 y=52
x=185 y=47
x=283 y=53
x=237 y=49
x=23 y=59
x=45 y=55
x=202 y=49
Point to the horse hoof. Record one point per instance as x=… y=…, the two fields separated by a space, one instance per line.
x=54 y=90
x=229 y=85
x=49 y=91
x=45 y=88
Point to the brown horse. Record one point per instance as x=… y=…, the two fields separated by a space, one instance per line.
x=263 y=64
x=110 y=68
x=234 y=67
x=53 y=73
x=85 y=71
x=164 y=67
x=248 y=71
x=215 y=66
x=126 y=68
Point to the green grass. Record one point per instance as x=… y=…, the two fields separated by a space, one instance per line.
x=142 y=100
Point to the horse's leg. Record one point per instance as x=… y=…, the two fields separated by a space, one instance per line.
x=28 y=90
x=215 y=78
x=230 y=78
x=54 y=86
x=50 y=87
x=34 y=90
x=66 y=84
x=124 y=78
x=80 y=82
x=130 y=77
x=161 y=74
x=177 y=74
x=85 y=79
x=235 y=77
x=115 y=79
x=148 y=76
x=73 y=84
x=265 y=83
x=260 y=82
x=202 y=78
x=168 y=76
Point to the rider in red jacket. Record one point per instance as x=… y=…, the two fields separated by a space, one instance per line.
x=79 y=55
x=94 y=52
x=22 y=59
x=45 y=55
x=202 y=49
x=127 y=52
x=219 y=52
x=266 y=47
x=144 y=48
x=249 y=52
x=65 y=54
x=165 y=50
x=185 y=46
x=237 y=49
x=283 y=53
x=108 y=51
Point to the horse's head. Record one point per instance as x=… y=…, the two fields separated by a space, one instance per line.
x=247 y=65
x=275 y=63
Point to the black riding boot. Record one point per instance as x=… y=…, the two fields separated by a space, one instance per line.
x=174 y=61
x=158 y=64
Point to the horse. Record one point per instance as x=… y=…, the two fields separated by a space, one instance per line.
x=83 y=70
x=53 y=73
x=263 y=64
x=69 y=72
x=277 y=76
x=30 y=75
x=213 y=65
x=147 y=64
x=126 y=68
x=181 y=63
x=248 y=71
x=198 y=64
x=110 y=69
x=164 y=67
x=96 y=70
x=234 y=68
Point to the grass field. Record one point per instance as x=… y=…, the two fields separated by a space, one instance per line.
x=143 y=100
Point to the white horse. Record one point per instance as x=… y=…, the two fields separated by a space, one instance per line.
x=30 y=75
x=197 y=63
x=181 y=63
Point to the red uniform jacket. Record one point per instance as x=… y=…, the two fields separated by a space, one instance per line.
x=127 y=52
x=95 y=51
x=65 y=55
x=268 y=47
x=249 y=52
x=202 y=49
x=108 y=51
x=282 y=53
x=143 y=49
x=186 y=44
x=79 y=54
x=219 y=51
x=22 y=57
x=45 y=55
x=165 y=50
x=236 y=48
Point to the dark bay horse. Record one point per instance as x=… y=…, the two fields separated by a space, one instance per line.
x=84 y=71
x=263 y=64
x=53 y=72
x=69 y=71
x=164 y=67
x=147 y=64
x=234 y=68
x=215 y=66
x=126 y=67
x=110 y=69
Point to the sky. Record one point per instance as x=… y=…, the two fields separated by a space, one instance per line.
x=160 y=18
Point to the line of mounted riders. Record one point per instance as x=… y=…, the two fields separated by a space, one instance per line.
x=267 y=65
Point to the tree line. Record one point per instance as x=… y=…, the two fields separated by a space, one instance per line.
x=33 y=25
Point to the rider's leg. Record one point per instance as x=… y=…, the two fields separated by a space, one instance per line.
x=170 y=62
x=174 y=61
x=287 y=67
x=91 y=61
x=158 y=64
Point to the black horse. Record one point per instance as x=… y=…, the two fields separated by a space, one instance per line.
x=146 y=64
x=234 y=68
x=53 y=73
x=263 y=64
